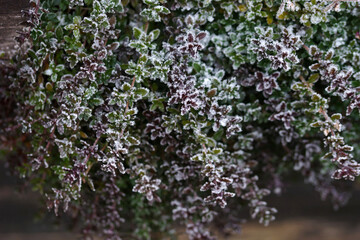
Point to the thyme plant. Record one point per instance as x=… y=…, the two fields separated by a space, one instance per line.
x=135 y=116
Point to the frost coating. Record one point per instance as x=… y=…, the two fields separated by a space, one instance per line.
x=157 y=113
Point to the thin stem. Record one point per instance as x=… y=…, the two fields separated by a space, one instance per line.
x=146 y=26
x=306 y=48
x=331 y=5
x=132 y=85
x=204 y=147
x=321 y=110
x=51 y=137
x=91 y=150
x=127 y=106
x=37 y=6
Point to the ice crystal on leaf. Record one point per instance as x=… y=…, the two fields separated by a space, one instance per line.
x=279 y=53
x=264 y=82
x=147 y=186
x=74 y=3
x=136 y=116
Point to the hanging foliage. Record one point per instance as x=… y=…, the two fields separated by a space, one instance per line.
x=139 y=115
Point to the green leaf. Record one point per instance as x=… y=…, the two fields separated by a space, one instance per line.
x=196 y=66
x=316 y=97
x=76 y=33
x=139 y=46
x=153 y=35
x=31 y=54
x=143 y=59
x=69 y=27
x=269 y=3
x=86 y=114
x=126 y=87
x=210 y=142
x=53 y=77
x=59 y=33
x=67 y=39
x=151 y=2
x=49 y=87
x=219 y=134
x=77 y=20
x=142 y=92
x=133 y=140
x=97 y=101
x=137 y=32
x=130 y=112
x=258 y=7
x=89 y=92
x=83 y=135
x=220 y=74
x=314 y=78
x=130 y=71
x=197 y=158
x=59 y=67
x=297 y=86
x=162 y=9
x=217 y=151
x=157 y=104
x=316 y=124
x=336 y=116
x=327 y=155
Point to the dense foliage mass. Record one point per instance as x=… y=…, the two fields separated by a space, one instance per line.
x=136 y=116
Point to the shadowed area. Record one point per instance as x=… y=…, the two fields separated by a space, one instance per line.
x=302 y=215
x=10 y=18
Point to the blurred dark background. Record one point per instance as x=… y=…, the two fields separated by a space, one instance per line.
x=302 y=216
x=10 y=17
